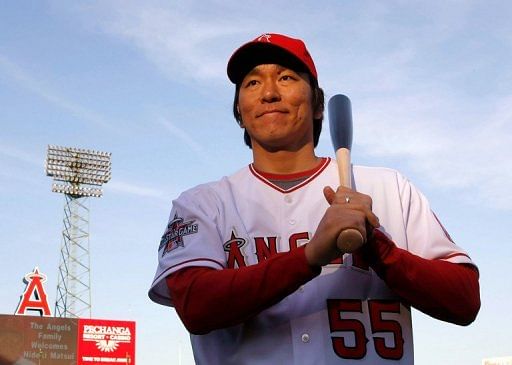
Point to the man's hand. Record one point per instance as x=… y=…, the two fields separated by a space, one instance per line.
x=348 y=209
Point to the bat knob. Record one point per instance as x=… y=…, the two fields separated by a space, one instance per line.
x=349 y=240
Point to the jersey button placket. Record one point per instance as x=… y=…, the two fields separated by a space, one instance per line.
x=290 y=219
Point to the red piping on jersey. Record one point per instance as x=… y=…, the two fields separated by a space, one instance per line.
x=454 y=255
x=263 y=176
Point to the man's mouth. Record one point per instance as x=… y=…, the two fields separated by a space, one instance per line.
x=271 y=111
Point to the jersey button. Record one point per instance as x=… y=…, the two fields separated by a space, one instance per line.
x=288 y=199
x=292 y=221
x=305 y=338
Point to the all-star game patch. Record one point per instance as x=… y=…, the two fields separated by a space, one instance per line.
x=173 y=236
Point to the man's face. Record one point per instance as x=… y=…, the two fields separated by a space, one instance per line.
x=275 y=104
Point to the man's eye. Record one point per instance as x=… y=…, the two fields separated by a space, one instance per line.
x=251 y=83
x=287 y=77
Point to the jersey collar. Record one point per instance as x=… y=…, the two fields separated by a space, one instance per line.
x=308 y=175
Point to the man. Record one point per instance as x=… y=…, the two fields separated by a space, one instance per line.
x=250 y=262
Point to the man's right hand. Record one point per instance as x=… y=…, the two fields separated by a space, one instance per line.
x=348 y=209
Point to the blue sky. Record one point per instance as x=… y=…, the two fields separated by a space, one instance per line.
x=431 y=97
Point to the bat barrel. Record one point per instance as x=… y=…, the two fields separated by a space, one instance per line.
x=340 y=121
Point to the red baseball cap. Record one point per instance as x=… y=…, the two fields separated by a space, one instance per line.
x=270 y=48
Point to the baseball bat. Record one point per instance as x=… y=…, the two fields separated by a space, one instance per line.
x=340 y=125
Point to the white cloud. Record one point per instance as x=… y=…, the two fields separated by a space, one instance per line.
x=137 y=190
x=37 y=87
x=20 y=167
x=183 y=136
x=20 y=155
x=189 y=141
x=463 y=153
x=179 y=40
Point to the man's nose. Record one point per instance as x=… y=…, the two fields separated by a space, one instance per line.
x=270 y=92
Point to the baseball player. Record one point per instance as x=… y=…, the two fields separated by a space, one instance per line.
x=250 y=262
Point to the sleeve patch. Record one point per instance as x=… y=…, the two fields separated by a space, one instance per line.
x=176 y=230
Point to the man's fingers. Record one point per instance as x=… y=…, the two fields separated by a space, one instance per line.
x=373 y=219
x=329 y=194
x=352 y=200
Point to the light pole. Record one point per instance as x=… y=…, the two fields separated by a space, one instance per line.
x=78 y=174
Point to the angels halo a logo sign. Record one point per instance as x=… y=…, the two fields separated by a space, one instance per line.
x=34 y=297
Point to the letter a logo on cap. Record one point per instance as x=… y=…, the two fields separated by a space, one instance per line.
x=264 y=37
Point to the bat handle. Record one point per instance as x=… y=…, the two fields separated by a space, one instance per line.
x=350 y=239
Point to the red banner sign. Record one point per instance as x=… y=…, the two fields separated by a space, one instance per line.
x=106 y=342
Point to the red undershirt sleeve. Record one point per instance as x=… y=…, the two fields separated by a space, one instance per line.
x=441 y=289
x=207 y=299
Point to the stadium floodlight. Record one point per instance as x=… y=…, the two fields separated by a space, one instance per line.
x=78 y=174
x=78 y=167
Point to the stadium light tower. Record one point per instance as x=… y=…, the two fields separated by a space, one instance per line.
x=78 y=174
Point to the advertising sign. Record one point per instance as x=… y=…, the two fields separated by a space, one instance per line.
x=35 y=340
x=507 y=360
x=106 y=342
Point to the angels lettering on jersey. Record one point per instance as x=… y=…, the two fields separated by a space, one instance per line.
x=173 y=236
x=237 y=250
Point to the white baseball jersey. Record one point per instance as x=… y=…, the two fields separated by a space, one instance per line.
x=347 y=315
